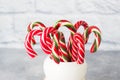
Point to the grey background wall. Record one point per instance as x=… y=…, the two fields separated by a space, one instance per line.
x=15 y=15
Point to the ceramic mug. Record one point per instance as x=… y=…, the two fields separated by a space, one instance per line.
x=64 y=70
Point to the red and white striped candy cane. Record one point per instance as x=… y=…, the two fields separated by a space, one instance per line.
x=28 y=41
x=49 y=43
x=78 y=48
x=76 y=26
x=35 y=25
x=79 y=24
x=97 y=40
x=46 y=41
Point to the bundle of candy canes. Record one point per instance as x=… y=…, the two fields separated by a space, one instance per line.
x=52 y=41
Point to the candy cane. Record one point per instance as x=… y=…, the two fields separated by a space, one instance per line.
x=97 y=39
x=65 y=23
x=72 y=29
x=64 y=57
x=55 y=47
x=35 y=25
x=49 y=43
x=45 y=40
x=79 y=24
x=78 y=49
x=28 y=40
x=71 y=44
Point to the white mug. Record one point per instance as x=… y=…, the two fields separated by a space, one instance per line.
x=64 y=70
